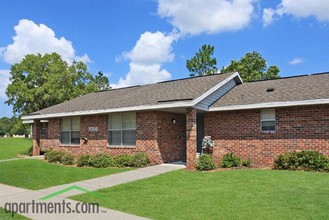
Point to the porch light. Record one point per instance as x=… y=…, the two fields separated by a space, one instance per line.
x=173 y=121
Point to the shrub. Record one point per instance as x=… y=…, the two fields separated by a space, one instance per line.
x=140 y=160
x=206 y=162
x=29 y=151
x=123 y=160
x=230 y=160
x=67 y=159
x=83 y=161
x=246 y=163
x=54 y=156
x=59 y=157
x=101 y=161
x=304 y=160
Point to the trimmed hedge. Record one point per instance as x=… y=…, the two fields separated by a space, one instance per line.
x=83 y=161
x=140 y=160
x=103 y=160
x=206 y=162
x=303 y=160
x=123 y=160
x=98 y=160
x=63 y=157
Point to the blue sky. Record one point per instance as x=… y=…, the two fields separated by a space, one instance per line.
x=144 y=41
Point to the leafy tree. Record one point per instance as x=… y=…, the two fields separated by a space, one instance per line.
x=102 y=81
x=202 y=63
x=252 y=67
x=40 y=81
x=19 y=128
x=5 y=125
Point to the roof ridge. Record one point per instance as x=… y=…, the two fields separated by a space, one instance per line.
x=128 y=87
x=287 y=77
x=173 y=80
x=193 y=77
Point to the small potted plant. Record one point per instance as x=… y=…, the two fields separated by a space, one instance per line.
x=207 y=145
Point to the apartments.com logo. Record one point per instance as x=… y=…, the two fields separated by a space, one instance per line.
x=42 y=207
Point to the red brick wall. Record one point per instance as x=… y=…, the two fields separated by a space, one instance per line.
x=298 y=128
x=36 y=130
x=171 y=136
x=191 y=138
x=156 y=135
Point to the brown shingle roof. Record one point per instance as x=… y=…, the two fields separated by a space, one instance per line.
x=299 y=88
x=153 y=94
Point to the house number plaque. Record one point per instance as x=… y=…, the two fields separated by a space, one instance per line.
x=93 y=129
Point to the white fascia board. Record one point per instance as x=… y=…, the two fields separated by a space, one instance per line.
x=213 y=89
x=271 y=105
x=184 y=104
x=104 y=111
x=28 y=121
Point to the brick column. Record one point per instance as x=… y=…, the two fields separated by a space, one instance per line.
x=191 y=138
x=36 y=131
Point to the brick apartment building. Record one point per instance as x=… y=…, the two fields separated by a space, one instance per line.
x=167 y=120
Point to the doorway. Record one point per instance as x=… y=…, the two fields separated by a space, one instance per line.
x=200 y=131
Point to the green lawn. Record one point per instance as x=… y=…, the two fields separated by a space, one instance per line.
x=38 y=174
x=234 y=194
x=11 y=147
x=5 y=216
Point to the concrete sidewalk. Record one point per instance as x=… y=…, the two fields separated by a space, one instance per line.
x=22 y=158
x=14 y=194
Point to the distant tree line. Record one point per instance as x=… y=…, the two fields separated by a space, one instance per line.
x=13 y=126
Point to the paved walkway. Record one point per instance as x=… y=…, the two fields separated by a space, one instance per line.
x=15 y=194
x=21 y=158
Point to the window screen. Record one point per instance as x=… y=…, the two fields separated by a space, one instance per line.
x=122 y=129
x=70 y=131
x=267 y=120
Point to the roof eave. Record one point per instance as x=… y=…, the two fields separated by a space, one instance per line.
x=271 y=105
x=184 y=104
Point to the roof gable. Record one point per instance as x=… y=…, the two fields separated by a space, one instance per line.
x=176 y=93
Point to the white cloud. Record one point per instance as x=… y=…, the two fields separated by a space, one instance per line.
x=296 y=60
x=4 y=82
x=300 y=9
x=146 y=59
x=210 y=16
x=31 y=38
x=268 y=14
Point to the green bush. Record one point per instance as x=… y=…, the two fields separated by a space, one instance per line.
x=140 y=160
x=206 y=162
x=304 y=160
x=246 y=163
x=54 y=156
x=67 y=159
x=29 y=151
x=123 y=160
x=101 y=161
x=83 y=161
x=59 y=157
x=230 y=160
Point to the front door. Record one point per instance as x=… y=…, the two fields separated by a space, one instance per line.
x=200 y=131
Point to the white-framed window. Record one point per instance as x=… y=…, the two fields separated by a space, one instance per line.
x=267 y=120
x=122 y=129
x=70 y=131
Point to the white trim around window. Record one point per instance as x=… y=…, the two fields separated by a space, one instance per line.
x=122 y=129
x=267 y=120
x=70 y=131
